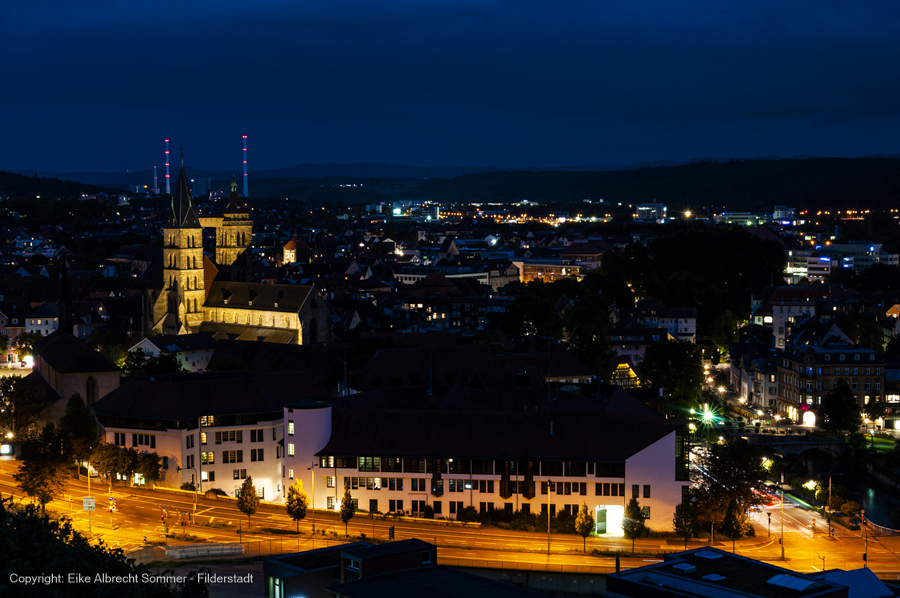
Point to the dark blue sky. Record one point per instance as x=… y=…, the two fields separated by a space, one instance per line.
x=98 y=84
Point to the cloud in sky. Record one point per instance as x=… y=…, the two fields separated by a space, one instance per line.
x=97 y=84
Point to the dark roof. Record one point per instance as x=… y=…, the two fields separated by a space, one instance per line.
x=188 y=396
x=378 y=551
x=484 y=434
x=183 y=213
x=174 y=343
x=321 y=558
x=436 y=582
x=268 y=297
x=45 y=310
x=235 y=205
x=242 y=332
x=69 y=355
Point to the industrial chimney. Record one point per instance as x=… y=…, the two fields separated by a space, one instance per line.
x=246 y=193
x=168 y=189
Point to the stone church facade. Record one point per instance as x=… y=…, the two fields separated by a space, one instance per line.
x=230 y=306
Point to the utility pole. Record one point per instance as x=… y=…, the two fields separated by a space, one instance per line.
x=312 y=474
x=866 y=532
x=548 y=516
x=782 y=515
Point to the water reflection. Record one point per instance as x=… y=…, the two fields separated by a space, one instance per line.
x=882 y=504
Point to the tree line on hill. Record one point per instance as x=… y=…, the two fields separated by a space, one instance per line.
x=745 y=185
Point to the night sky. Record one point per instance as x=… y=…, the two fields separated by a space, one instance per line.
x=96 y=85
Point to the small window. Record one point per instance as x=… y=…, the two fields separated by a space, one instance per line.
x=646 y=491
x=426 y=557
x=646 y=512
x=635 y=491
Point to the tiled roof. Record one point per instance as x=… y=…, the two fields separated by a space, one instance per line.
x=68 y=355
x=487 y=434
x=187 y=396
x=268 y=297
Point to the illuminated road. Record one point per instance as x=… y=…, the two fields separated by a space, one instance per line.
x=139 y=514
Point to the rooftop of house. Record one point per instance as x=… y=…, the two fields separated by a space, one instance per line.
x=709 y=572
x=483 y=434
x=311 y=560
x=189 y=396
x=436 y=582
x=378 y=551
x=68 y=355
x=175 y=343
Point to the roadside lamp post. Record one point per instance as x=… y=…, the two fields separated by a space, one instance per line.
x=549 y=481
x=782 y=515
x=312 y=475
x=770 y=524
x=866 y=533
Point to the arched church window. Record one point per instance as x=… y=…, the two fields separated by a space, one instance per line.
x=90 y=390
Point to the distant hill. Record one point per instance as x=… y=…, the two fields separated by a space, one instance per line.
x=739 y=185
x=314 y=171
x=20 y=186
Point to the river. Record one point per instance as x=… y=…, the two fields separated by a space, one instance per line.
x=882 y=504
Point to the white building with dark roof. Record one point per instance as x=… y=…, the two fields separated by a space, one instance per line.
x=215 y=429
x=447 y=460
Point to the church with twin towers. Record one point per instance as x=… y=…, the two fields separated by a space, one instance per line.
x=215 y=292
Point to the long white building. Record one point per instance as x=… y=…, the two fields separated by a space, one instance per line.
x=403 y=460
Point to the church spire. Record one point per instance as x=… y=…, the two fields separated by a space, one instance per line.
x=233 y=184
x=184 y=215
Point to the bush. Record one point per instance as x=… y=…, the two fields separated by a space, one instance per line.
x=851 y=508
x=467 y=514
x=189 y=486
x=218 y=491
x=835 y=503
x=428 y=511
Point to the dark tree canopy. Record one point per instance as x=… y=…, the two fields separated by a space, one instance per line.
x=43 y=471
x=727 y=472
x=137 y=363
x=79 y=427
x=677 y=367
x=55 y=547
x=21 y=404
x=839 y=412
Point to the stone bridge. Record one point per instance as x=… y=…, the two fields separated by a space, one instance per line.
x=794 y=445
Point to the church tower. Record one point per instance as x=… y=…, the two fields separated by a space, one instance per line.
x=183 y=262
x=234 y=237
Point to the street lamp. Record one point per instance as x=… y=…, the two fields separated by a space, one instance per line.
x=178 y=470
x=782 y=515
x=312 y=475
x=549 y=481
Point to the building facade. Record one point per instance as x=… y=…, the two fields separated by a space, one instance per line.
x=504 y=461
x=212 y=430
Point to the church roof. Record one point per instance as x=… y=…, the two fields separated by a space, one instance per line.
x=257 y=296
x=184 y=215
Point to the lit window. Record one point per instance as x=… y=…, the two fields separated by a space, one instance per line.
x=290 y=449
x=290 y=428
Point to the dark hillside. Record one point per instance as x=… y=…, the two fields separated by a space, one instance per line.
x=753 y=185
x=20 y=186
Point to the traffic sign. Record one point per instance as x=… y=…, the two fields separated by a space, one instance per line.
x=88 y=503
